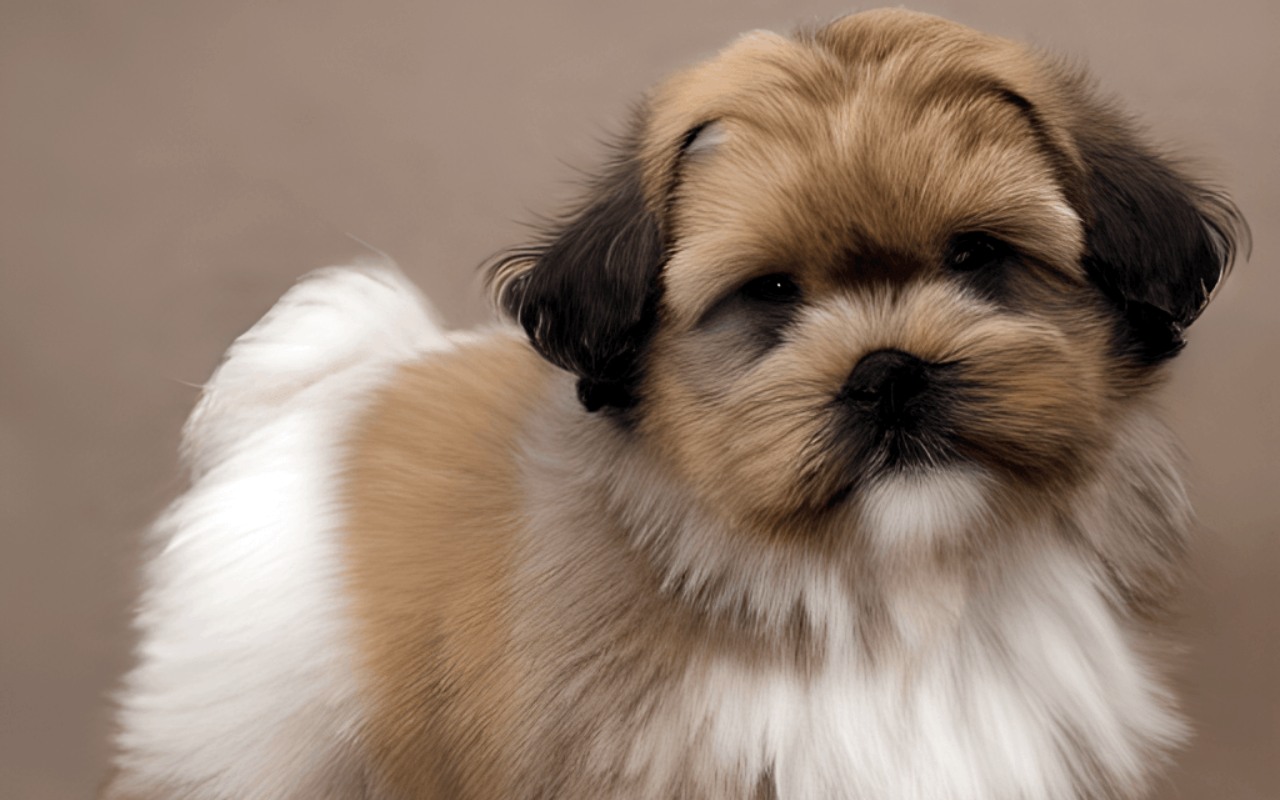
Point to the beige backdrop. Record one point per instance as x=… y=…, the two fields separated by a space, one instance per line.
x=168 y=168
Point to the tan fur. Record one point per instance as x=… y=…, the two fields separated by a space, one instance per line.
x=454 y=611
x=434 y=509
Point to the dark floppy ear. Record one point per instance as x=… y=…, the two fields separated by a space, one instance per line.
x=587 y=293
x=1156 y=242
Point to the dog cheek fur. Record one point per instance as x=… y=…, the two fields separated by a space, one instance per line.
x=1028 y=398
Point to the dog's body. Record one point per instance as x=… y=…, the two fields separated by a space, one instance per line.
x=827 y=469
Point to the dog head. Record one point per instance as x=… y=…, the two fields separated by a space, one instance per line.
x=889 y=246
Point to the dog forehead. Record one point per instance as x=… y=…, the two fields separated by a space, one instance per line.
x=778 y=82
x=892 y=130
x=876 y=169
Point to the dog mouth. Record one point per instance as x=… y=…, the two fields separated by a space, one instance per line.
x=894 y=415
x=864 y=456
x=899 y=409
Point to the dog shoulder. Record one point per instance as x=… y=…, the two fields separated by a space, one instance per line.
x=432 y=490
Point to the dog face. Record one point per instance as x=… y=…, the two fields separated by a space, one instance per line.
x=891 y=247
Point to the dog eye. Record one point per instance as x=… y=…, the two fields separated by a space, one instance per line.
x=973 y=252
x=776 y=288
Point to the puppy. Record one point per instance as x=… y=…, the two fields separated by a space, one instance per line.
x=825 y=466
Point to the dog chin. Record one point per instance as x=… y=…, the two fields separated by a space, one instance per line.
x=923 y=509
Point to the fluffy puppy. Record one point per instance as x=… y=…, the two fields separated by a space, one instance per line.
x=825 y=467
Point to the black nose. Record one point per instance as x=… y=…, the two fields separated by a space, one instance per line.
x=887 y=381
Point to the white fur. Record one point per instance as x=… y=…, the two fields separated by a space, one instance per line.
x=245 y=686
x=985 y=711
x=917 y=511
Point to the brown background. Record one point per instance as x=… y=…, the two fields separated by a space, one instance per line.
x=167 y=169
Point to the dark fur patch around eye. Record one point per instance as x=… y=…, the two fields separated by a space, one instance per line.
x=982 y=262
x=777 y=289
x=756 y=313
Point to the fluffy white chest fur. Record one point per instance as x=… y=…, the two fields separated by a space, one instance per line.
x=1023 y=689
